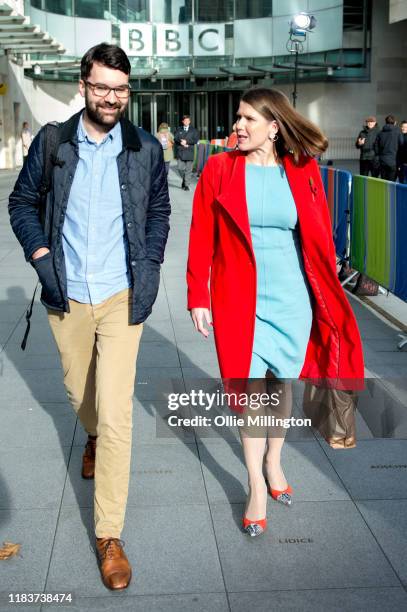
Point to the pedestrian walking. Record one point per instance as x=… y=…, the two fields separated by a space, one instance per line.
x=26 y=138
x=167 y=143
x=261 y=234
x=386 y=147
x=185 y=138
x=402 y=153
x=369 y=162
x=97 y=255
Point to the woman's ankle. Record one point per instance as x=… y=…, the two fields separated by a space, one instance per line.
x=257 y=483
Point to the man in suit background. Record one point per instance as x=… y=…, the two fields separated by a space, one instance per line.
x=185 y=138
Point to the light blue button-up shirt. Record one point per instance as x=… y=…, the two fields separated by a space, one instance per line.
x=93 y=236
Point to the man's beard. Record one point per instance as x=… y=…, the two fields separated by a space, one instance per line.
x=96 y=115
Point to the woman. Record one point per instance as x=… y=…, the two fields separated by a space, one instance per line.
x=167 y=142
x=261 y=228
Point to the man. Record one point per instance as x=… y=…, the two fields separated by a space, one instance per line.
x=402 y=153
x=185 y=138
x=386 y=146
x=98 y=259
x=365 y=143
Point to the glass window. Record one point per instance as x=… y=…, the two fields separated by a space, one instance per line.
x=61 y=7
x=172 y=11
x=117 y=8
x=89 y=8
x=35 y=4
x=213 y=10
x=245 y=9
x=137 y=10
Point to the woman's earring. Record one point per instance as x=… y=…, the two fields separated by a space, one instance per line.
x=273 y=138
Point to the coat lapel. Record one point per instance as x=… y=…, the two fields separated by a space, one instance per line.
x=233 y=197
x=300 y=188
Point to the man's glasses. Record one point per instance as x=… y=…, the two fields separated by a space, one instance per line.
x=100 y=90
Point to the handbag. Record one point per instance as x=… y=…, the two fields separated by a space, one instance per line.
x=332 y=413
x=365 y=286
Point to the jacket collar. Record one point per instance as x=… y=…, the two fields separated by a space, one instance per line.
x=130 y=137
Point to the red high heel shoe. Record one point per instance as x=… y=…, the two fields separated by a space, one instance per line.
x=254 y=528
x=284 y=497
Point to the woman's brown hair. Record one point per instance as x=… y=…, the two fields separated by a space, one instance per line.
x=163 y=126
x=296 y=134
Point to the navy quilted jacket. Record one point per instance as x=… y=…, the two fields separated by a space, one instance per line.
x=146 y=210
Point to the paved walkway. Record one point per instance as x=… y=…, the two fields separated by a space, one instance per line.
x=341 y=546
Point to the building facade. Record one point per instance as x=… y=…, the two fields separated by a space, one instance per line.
x=198 y=56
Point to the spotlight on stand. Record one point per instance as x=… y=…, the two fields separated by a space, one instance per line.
x=300 y=25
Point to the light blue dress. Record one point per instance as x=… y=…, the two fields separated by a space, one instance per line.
x=284 y=298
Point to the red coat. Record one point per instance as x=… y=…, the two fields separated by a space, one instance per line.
x=220 y=246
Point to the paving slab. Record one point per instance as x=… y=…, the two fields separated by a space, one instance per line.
x=13 y=358
x=311 y=545
x=16 y=290
x=38 y=472
x=160 y=475
x=11 y=312
x=158 y=543
x=34 y=529
x=387 y=520
x=193 y=602
x=158 y=355
x=158 y=331
x=322 y=600
x=375 y=469
x=382 y=409
x=26 y=385
x=35 y=425
x=156 y=383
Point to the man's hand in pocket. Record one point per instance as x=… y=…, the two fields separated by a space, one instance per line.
x=39 y=253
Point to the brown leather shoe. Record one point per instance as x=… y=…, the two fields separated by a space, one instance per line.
x=114 y=565
x=88 y=459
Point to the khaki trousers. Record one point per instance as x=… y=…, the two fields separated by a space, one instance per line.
x=98 y=349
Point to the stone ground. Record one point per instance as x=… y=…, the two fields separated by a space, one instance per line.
x=341 y=546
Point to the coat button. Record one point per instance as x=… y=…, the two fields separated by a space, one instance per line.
x=130 y=224
x=123 y=186
x=133 y=263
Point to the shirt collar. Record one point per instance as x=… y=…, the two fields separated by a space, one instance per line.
x=83 y=135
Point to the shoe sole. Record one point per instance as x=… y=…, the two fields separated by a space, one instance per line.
x=88 y=477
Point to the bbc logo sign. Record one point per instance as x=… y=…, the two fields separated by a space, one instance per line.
x=136 y=39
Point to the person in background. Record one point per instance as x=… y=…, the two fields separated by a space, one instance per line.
x=185 y=138
x=402 y=153
x=368 y=162
x=231 y=141
x=26 y=138
x=386 y=147
x=167 y=142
